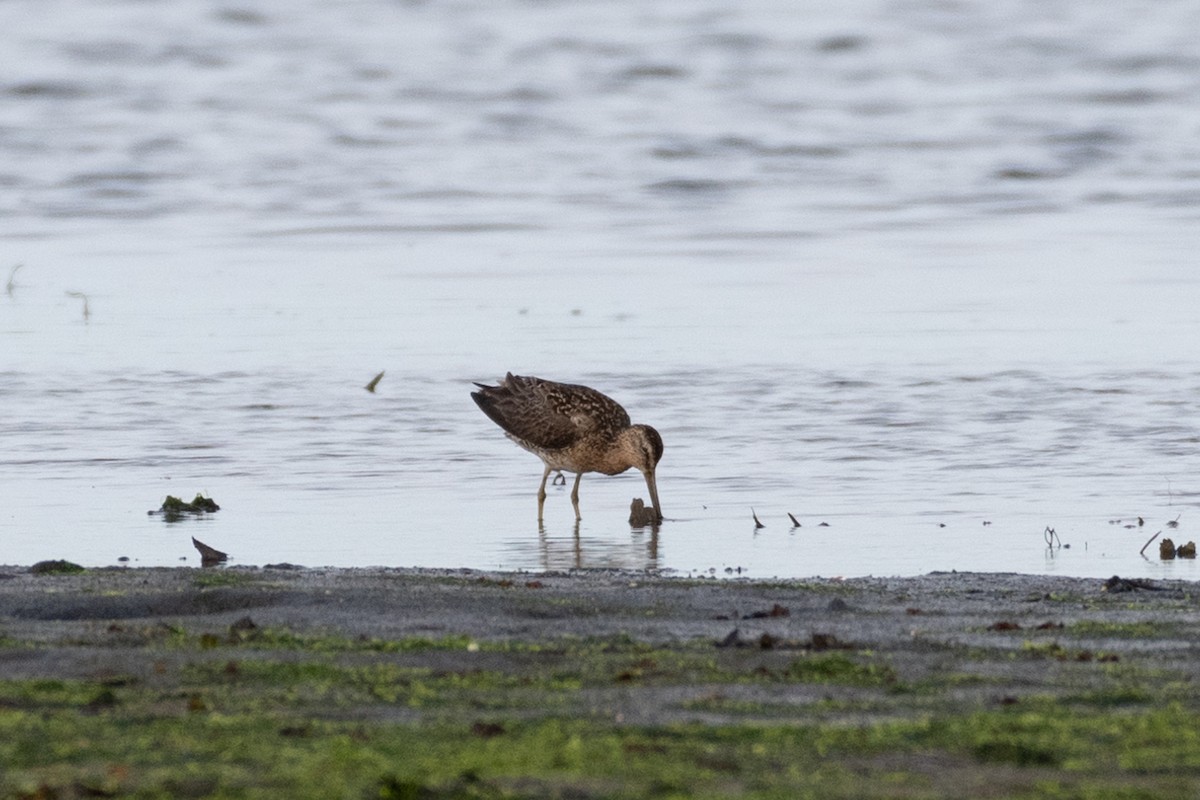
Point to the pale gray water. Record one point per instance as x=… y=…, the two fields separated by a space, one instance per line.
x=890 y=266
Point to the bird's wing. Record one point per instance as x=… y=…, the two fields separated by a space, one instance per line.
x=546 y=414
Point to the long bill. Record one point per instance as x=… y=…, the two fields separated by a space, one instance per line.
x=653 y=487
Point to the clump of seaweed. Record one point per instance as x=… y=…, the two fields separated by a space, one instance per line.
x=173 y=509
x=55 y=567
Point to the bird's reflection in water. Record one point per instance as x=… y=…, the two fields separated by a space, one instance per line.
x=562 y=549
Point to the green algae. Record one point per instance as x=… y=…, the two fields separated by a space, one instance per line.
x=174 y=509
x=188 y=753
x=202 y=709
x=1142 y=629
x=211 y=579
x=56 y=567
x=256 y=722
x=839 y=668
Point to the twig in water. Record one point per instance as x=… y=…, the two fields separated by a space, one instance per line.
x=12 y=283
x=1051 y=537
x=757 y=524
x=1142 y=552
x=370 y=387
x=81 y=296
x=795 y=522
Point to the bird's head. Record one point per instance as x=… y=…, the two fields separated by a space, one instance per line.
x=647 y=449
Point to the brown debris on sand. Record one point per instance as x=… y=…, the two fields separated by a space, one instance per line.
x=1118 y=584
x=817 y=642
x=209 y=556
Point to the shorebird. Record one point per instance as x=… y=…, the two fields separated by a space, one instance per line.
x=572 y=428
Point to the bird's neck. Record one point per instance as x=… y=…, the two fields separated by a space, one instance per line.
x=625 y=453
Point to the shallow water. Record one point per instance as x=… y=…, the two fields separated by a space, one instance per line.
x=920 y=271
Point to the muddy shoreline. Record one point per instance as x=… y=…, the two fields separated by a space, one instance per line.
x=892 y=615
x=401 y=601
x=471 y=655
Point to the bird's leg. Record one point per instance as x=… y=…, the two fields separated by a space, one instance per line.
x=575 y=496
x=542 y=493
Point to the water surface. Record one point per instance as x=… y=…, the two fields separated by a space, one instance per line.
x=923 y=272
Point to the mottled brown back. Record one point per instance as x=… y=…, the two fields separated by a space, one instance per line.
x=549 y=415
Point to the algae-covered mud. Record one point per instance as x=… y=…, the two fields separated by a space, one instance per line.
x=378 y=683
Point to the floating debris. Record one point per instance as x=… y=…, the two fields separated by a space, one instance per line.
x=795 y=522
x=173 y=509
x=757 y=523
x=209 y=556
x=641 y=515
x=370 y=387
x=1174 y=523
x=12 y=282
x=1142 y=552
x=1167 y=549
x=87 y=313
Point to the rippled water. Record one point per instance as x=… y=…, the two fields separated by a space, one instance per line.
x=922 y=271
